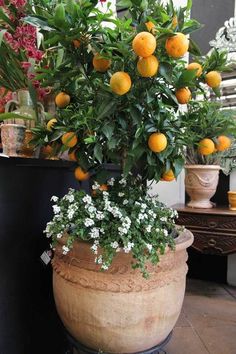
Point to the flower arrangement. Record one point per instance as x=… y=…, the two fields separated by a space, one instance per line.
x=120 y=217
x=210 y=131
x=18 y=48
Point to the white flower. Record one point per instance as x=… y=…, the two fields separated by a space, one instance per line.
x=100 y=215
x=88 y=222
x=121 y=194
x=94 y=233
x=114 y=244
x=54 y=198
x=98 y=260
x=70 y=198
x=87 y=199
x=163 y=218
x=91 y=209
x=149 y=228
x=128 y=248
x=149 y=247
x=94 y=249
x=56 y=209
x=60 y=235
x=111 y=181
x=123 y=182
x=104 y=266
x=65 y=249
x=165 y=232
x=143 y=206
x=125 y=202
x=157 y=229
x=102 y=230
x=95 y=186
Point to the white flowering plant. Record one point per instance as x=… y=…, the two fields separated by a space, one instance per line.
x=122 y=218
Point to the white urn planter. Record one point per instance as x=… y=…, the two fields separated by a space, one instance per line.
x=201 y=182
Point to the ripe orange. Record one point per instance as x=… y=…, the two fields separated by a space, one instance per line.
x=213 y=79
x=120 y=83
x=150 y=26
x=72 y=156
x=195 y=66
x=81 y=175
x=148 y=66
x=168 y=176
x=69 y=139
x=100 y=64
x=206 y=146
x=183 y=95
x=51 y=123
x=223 y=143
x=76 y=43
x=62 y=100
x=177 y=45
x=174 y=21
x=46 y=150
x=144 y=44
x=157 y=142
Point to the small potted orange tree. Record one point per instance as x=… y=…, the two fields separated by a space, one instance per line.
x=117 y=92
x=210 y=131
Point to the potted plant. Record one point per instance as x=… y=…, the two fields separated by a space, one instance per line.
x=117 y=92
x=19 y=50
x=210 y=130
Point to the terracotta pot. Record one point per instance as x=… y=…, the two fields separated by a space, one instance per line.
x=232 y=200
x=118 y=311
x=12 y=136
x=201 y=182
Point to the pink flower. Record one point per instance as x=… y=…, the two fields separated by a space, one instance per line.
x=25 y=65
x=18 y=3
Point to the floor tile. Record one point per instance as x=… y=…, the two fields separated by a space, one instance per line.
x=231 y=290
x=185 y=341
x=182 y=320
x=205 y=311
x=196 y=286
x=217 y=341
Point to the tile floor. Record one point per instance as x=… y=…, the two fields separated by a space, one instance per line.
x=207 y=323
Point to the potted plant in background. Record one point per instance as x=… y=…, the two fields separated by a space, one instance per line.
x=117 y=92
x=19 y=54
x=210 y=130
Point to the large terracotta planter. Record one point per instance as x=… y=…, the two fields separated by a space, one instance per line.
x=201 y=182
x=118 y=311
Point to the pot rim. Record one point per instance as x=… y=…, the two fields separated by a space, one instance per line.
x=13 y=125
x=231 y=192
x=184 y=240
x=203 y=167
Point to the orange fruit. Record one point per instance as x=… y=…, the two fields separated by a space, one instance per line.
x=177 y=45
x=223 y=143
x=195 y=66
x=76 y=43
x=72 y=156
x=174 y=21
x=46 y=150
x=69 y=139
x=157 y=142
x=62 y=100
x=183 y=95
x=101 y=64
x=168 y=176
x=50 y=124
x=120 y=83
x=213 y=79
x=81 y=175
x=144 y=44
x=206 y=146
x=148 y=66
x=150 y=26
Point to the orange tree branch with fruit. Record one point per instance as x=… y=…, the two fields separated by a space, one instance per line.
x=118 y=90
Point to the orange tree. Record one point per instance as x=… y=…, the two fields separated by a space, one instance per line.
x=118 y=89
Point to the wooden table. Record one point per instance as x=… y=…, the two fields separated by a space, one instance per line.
x=214 y=229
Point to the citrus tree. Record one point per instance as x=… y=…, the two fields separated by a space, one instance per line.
x=118 y=88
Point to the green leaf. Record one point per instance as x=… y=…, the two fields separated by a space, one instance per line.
x=194 y=48
x=178 y=165
x=2 y=32
x=98 y=152
x=108 y=130
x=186 y=78
x=189 y=5
x=124 y=3
x=106 y=108
x=166 y=70
x=10 y=115
x=39 y=22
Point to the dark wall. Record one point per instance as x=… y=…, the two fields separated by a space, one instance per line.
x=213 y=14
